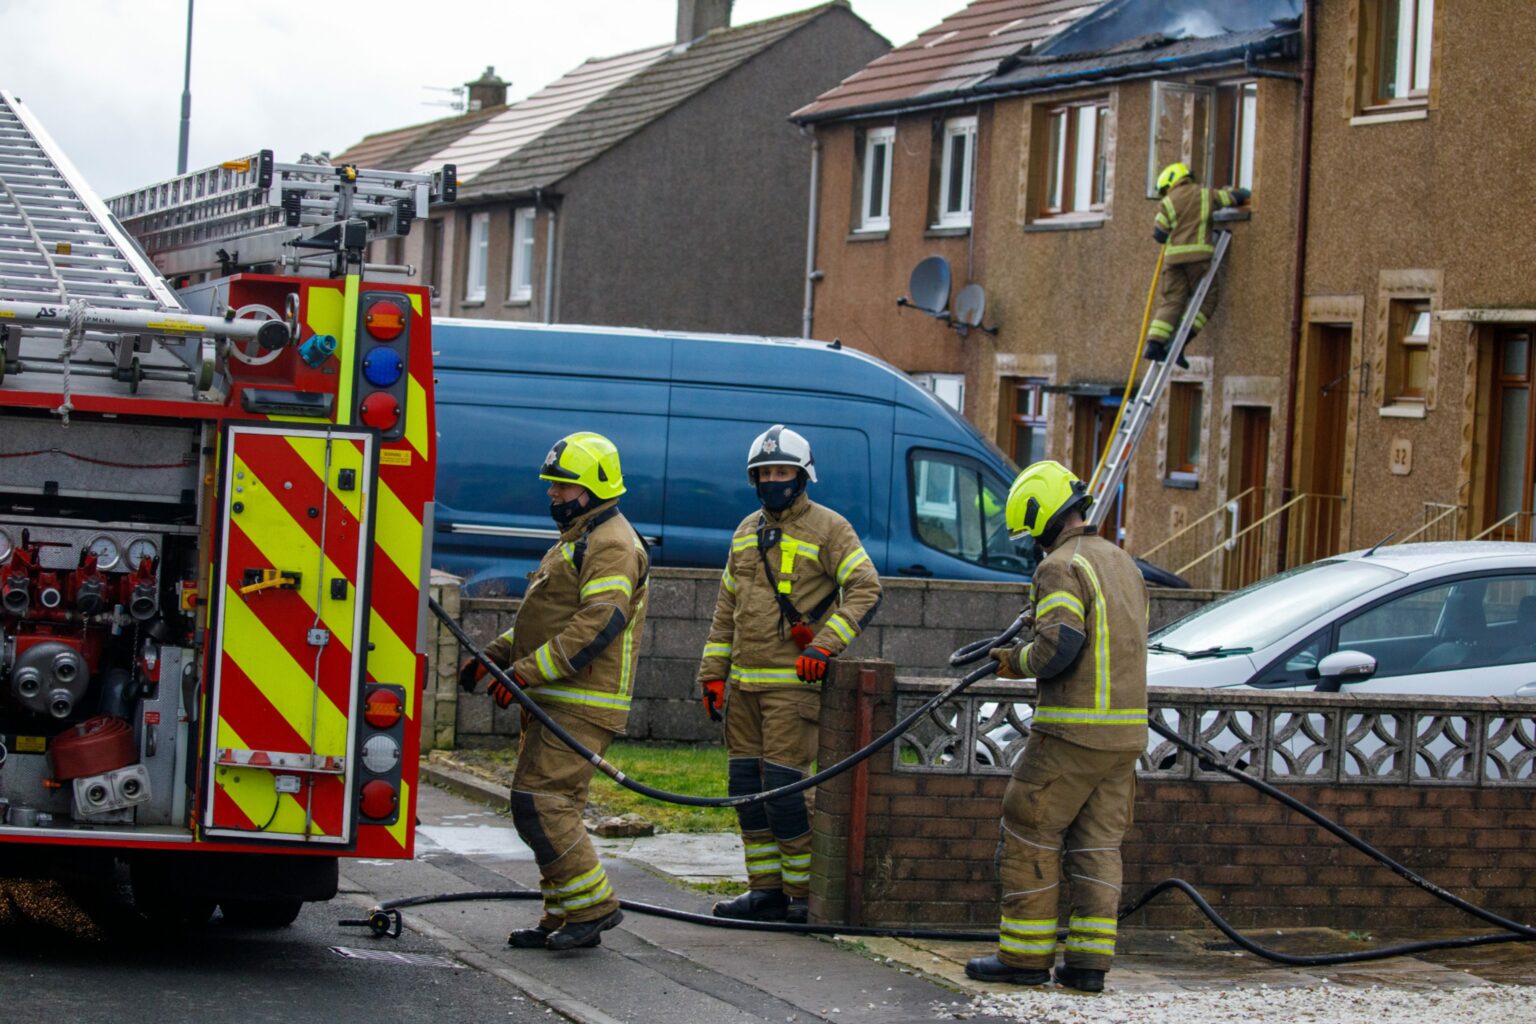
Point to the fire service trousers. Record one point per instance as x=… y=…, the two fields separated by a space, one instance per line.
x=1064 y=794
x=549 y=792
x=1179 y=283
x=771 y=737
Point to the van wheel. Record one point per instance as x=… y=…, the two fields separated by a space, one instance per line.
x=261 y=913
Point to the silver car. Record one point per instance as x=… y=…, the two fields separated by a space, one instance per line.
x=1454 y=619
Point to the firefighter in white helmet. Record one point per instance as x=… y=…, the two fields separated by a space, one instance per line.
x=1074 y=785
x=573 y=648
x=797 y=588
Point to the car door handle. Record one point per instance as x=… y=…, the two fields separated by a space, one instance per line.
x=1528 y=690
x=914 y=570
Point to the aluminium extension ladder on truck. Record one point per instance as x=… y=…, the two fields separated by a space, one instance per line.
x=213 y=534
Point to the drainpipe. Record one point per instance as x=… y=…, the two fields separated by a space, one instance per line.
x=812 y=275
x=549 y=255
x=1299 y=260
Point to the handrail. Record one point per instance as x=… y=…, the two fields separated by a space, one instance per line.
x=1218 y=510
x=1450 y=510
x=1243 y=532
x=1503 y=523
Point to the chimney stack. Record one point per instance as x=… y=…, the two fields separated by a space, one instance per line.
x=487 y=91
x=698 y=17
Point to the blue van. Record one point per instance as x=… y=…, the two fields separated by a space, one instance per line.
x=924 y=490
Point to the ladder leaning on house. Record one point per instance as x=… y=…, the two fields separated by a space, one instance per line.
x=1134 y=421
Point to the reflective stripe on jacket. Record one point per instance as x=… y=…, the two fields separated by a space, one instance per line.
x=1090 y=590
x=576 y=640
x=818 y=555
x=1185 y=216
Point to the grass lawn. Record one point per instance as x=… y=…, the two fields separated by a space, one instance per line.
x=677 y=768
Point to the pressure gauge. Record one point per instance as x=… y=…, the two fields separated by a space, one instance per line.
x=139 y=549
x=5 y=546
x=106 y=551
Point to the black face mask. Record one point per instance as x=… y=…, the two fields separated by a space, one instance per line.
x=564 y=513
x=779 y=495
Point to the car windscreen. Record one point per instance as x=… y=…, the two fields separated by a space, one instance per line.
x=1257 y=616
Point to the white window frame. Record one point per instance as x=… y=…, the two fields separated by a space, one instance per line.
x=948 y=388
x=1072 y=164
x=520 y=280
x=1199 y=154
x=479 y=256
x=873 y=138
x=1415 y=45
x=958 y=217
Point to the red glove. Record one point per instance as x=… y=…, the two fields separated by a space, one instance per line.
x=470 y=674
x=714 y=698
x=811 y=666
x=501 y=694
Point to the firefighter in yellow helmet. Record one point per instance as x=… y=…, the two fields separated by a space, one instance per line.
x=797 y=589
x=1183 y=225
x=1074 y=785
x=573 y=648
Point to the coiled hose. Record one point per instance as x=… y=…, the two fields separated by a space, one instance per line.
x=385 y=919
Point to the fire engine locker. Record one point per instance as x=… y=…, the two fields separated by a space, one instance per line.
x=289 y=650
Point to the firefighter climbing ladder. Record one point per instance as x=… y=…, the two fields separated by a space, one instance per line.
x=77 y=290
x=1135 y=419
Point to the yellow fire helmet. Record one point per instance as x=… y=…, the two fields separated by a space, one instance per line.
x=1171 y=176
x=587 y=459
x=1039 y=500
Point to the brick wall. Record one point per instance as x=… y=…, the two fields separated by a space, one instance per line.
x=931 y=837
x=919 y=623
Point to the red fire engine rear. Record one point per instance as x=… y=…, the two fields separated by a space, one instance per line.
x=215 y=509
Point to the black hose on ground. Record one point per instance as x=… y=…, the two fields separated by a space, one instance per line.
x=884 y=740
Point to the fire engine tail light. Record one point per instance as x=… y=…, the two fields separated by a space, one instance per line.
x=384 y=320
x=379 y=800
x=383 y=709
x=383 y=367
x=381 y=411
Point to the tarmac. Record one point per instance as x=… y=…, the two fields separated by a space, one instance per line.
x=1190 y=976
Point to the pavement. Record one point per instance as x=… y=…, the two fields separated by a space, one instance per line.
x=654 y=969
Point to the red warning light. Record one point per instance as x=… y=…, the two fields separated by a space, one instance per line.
x=383 y=708
x=381 y=410
x=385 y=320
x=379 y=799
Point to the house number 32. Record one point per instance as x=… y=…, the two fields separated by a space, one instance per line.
x=1401 y=456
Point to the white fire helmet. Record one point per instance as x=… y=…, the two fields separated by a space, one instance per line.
x=780 y=446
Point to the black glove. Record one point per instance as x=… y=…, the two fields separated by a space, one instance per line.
x=1242 y=195
x=470 y=674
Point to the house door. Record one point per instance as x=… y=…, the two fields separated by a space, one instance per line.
x=1510 y=472
x=1093 y=421
x=1248 y=561
x=1322 y=466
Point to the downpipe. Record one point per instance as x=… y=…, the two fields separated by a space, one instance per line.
x=385 y=920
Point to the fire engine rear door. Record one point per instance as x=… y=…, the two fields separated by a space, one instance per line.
x=289 y=635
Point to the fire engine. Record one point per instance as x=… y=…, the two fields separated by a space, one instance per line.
x=215 y=514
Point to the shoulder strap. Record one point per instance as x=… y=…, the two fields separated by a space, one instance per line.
x=579 y=549
x=767 y=538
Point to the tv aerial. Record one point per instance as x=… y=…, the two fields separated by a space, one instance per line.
x=929 y=287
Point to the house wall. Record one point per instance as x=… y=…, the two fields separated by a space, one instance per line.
x=864 y=272
x=698 y=221
x=1441 y=205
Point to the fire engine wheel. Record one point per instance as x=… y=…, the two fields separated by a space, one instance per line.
x=261 y=913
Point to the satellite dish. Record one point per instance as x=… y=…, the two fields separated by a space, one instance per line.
x=929 y=285
x=971 y=305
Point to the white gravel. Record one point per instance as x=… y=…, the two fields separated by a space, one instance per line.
x=1325 y=1004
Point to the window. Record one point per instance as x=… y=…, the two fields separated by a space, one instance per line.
x=1185 y=402
x=1510 y=468
x=479 y=255
x=957 y=178
x=1399 y=36
x=1466 y=624
x=875 y=180
x=1237 y=109
x=1408 y=352
x=1075 y=158
x=1025 y=414
x=958 y=508
x=432 y=255
x=520 y=288
x=949 y=388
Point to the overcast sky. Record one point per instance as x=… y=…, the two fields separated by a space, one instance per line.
x=105 y=76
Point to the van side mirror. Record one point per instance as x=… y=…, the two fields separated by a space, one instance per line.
x=1346 y=667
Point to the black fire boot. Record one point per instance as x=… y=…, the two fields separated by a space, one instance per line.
x=755 y=905
x=798 y=911
x=992 y=968
x=1084 y=979
x=1156 y=351
x=583 y=934
x=529 y=938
